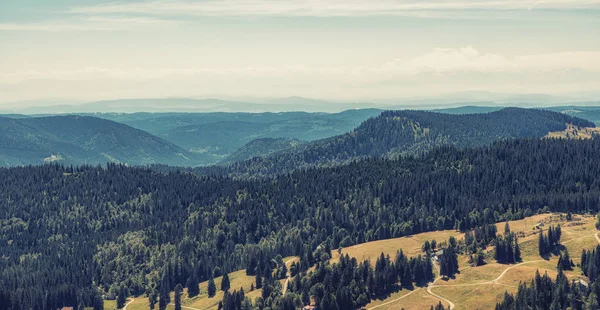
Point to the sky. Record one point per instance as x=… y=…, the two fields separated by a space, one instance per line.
x=346 y=50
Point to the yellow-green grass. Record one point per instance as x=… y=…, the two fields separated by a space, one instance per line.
x=572 y=132
x=110 y=304
x=466 y=290
x=480 y=274
x=474 y=297
x=392 y=296
x=419 y=299
x=410 y=245
x=526 y=272
x=238 y=280
x=475 y=287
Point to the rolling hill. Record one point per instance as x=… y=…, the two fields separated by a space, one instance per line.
x=591 y=113
x=82 y=140
x=212 y=137
x=395 y=133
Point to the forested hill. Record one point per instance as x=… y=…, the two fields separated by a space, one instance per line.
x=64 y=231
x=81 y=140
x=412 y=133
x=262 y=147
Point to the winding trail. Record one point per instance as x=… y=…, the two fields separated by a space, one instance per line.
x=393 y=301
x=127 y=304
x=430 y=286
x=495 y=281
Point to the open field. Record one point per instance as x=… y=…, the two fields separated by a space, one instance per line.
x=474 y=297
x=573 y=132
x=411 y=245
x=406 y=299
x=481 y=287
x=238 y=279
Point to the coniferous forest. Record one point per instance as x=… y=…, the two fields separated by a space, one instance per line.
x=70 y=234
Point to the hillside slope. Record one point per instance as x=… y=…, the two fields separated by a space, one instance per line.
x=117 y=226
x=81 y=140
x=414 y=133
x=260 y=148
x=211 y=137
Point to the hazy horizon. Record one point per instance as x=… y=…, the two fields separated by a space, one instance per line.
x=353 y=50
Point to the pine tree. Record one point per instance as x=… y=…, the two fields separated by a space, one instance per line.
x=163 y=298
x=122 y=297
x=178 y=292
x=225 y=285
x=541 y=244
x=98 y=301
x=152 y=298
x=212 y=288
x=517 y=251
x=193 y=285
x=506 y=228
x=258 y=282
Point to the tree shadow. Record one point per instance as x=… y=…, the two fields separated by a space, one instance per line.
x=554 y=252
x=395 y=289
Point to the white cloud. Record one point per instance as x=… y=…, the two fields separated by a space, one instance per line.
x=54 y=27
x=90 y=23
x=425 y=8
x=469 y=59
x=440 y=61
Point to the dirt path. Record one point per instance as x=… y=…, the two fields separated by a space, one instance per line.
x=430 y=286
x=495 y=281
x=127 y=304
x=596 y=235
x=393 y=301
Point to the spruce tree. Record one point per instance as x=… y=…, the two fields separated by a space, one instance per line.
x=212 y=288
x=258 y=282
x=177 y=297
x=163 y=298
x=122 y=297
x=225 y=285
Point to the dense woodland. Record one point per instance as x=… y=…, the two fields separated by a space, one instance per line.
x=70 y=234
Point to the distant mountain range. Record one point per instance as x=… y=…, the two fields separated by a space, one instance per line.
x=190 y=105
x=295 y=103
x=180 y=139
x=82 y=140
x=212 y=137
x=412 y=133
x=277 y=140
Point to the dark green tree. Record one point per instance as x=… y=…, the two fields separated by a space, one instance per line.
x=177 y=296
x=225 y=285
x=212 y=288
x=121 y=297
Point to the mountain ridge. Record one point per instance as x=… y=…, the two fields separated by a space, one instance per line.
x=82 y=140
